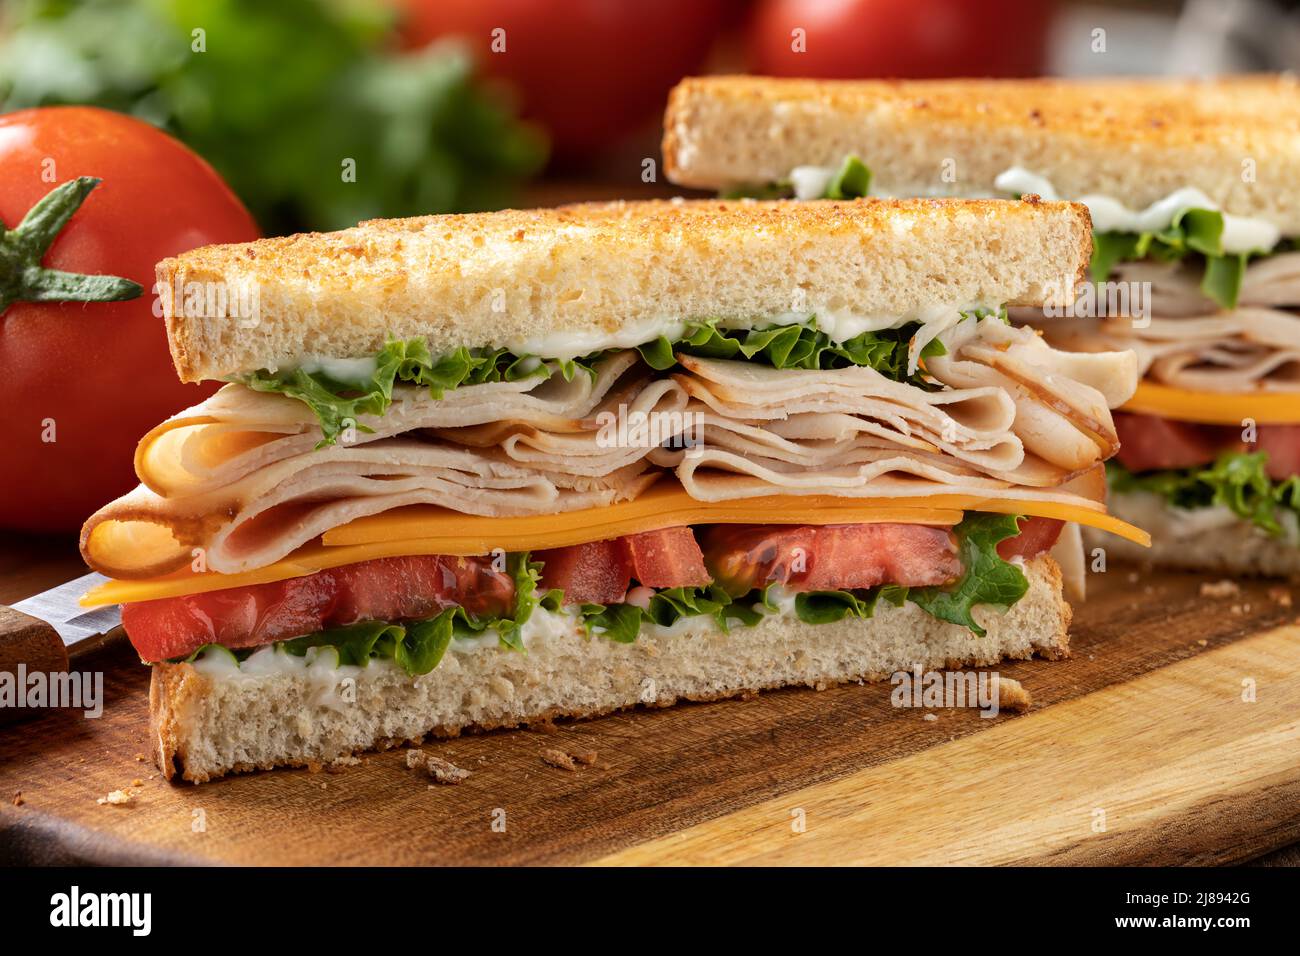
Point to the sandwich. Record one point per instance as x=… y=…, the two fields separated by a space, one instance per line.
x=477 y=471
x=1194 y=192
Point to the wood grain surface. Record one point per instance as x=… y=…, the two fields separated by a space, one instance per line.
x=1145 y=722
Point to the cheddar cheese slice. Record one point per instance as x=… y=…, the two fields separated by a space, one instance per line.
x=1215 y=408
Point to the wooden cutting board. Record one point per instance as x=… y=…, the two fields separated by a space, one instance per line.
x=1139 y=749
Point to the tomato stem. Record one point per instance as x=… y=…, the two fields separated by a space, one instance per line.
x=24 y=279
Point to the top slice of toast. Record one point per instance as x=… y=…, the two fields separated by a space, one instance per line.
x=568 y=281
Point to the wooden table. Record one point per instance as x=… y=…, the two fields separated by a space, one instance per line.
x=1139 y=749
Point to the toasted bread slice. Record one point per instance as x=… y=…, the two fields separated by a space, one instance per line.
x=568 y=281
x=1236 y=139
x=205 y=725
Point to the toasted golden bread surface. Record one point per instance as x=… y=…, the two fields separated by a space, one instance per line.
x=1237 y=138
x=576 y=278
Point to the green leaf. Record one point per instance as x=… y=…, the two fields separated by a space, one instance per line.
x=355 y=643
x=338 y=404
x=1222 y=279
x=1196 y=232
x=618 y=622
x=311 y=82
x=1109 y=248
x=1237 y=480
x=22 y=249
x=781 y=189
x=853 y=180
x=796 y=346
x=986 y=579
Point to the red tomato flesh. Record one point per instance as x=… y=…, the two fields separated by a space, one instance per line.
x=83 y=381
x=1149 y=443
x=602 y=571
x=387 y=589
x=829 y=557
x=1036 y=536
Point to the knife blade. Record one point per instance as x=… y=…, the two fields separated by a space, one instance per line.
x=60 y=608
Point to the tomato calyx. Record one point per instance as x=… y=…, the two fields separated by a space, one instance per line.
x=24 y=279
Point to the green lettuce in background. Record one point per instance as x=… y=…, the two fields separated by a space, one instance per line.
x=1192 y=232
x=851 y=181
x=1236 y=480
x=282 y=95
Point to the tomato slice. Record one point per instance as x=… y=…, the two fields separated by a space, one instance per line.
x=670 y=558
x=387 y=589
x=1282 y=442
x=1036 y=536
x=829 y=557
x=1149 y=443
x=594 y=573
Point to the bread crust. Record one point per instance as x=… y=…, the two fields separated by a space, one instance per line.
x=186 y=708
x=506 y=279
x=1137 y=139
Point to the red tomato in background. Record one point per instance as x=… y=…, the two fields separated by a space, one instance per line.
x=901 y=38
x=99 y=371
x=590 y=71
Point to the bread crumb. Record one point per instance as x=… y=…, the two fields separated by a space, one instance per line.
x=117 y=798
x=1280 y=596
x=1203 y=642
x=18 y=798
x=137 y=782
x=584 y=757
x=1236 y=609
x=444 y=771
x=139 y=758
x=1013 y=696
x=558 y=758
x=545 y=727
x=930 y=717
x=416 y=758
x=1220 y=589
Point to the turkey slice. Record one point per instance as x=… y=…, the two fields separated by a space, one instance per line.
x=266 y=515
x=238 y=431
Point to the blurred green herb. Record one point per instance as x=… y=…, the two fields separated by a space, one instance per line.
x=284 y=99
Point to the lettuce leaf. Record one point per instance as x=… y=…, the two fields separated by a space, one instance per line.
x=622 y=622
x=1237 y=480
x=338 y=404
x=826 y=607
x=987 y=580
x=799 y=346
x=1192 y=232
x=851 y=181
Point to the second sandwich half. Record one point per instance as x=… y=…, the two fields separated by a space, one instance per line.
x=505 y=467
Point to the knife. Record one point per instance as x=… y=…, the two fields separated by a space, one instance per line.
x=45 y=631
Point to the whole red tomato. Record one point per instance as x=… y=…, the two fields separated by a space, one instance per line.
x=588 y=70
x=844 y=39
x=95 y=376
